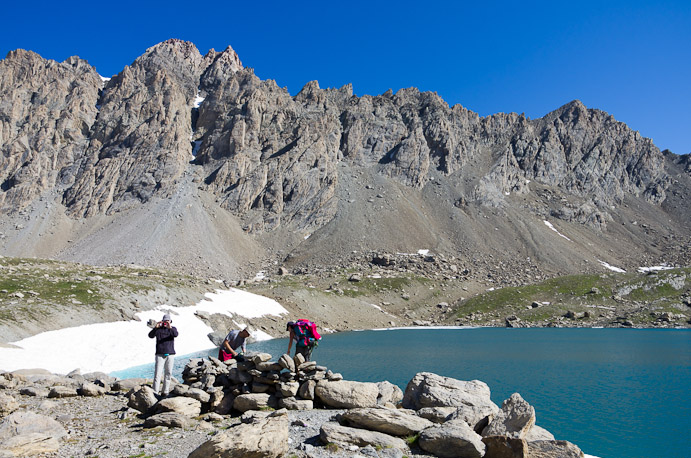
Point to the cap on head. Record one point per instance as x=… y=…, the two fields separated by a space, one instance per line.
x=166 y=317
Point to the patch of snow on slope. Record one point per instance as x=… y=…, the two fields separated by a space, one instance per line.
x=551 y=226
x=645 y=270
x=610 y=267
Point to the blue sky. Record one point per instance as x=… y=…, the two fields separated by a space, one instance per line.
x=631 y=59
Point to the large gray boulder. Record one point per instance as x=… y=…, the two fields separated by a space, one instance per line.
x=200 y=395
x=266 y=438
x=537 y=433
x=515 y=419
x=90 y=389
x=389 y=394
x=306 y=390
x=553 y=449
x=168 y=419
x=142 y=399
x=25 y=433
x=295 y=404
x=344 y=435
x=254 y=401
x=390 y=421
x=431 y=390
x=436 y=414
x=453 y=439
x=128 y=384
x=182 y=405
x=62 y=392
x=346 y=394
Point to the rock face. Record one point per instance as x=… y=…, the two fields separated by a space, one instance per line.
x=273 y=158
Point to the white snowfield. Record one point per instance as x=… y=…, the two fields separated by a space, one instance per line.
x=107 y=347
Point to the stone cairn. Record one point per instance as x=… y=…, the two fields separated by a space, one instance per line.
x=436 y=416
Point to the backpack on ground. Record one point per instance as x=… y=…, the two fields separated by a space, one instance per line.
x=306 y=333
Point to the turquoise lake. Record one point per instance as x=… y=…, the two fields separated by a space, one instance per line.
x=613 y=392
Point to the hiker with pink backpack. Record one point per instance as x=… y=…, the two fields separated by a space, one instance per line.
x=305 y=335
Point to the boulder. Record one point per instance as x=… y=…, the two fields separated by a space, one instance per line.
x=298 y=359
x=182 y=405
x=505 y=447
x=306 y=390
x=295 y=404
x=25 y=423
x=268 y=438
x=347 y=394
x=475 y=415
x=200 y=395
x=62 y=392
x=288 y=389
x=254 y=401
x=515 y=419
x=169 y=419
x=7 y=404
x=128 y=384
x=553 y=449
x=91 y=390
x=286 y=362
x=390 y=421
x=431 y=390
x=536 y=433
x=453 y=439
x=344 y=435
x=388 y=393
x=32 y=444
x=237 y=375
x=142 y=399
x=266 y=366
x=260 y=358
x=225 y=406
x=436 y=414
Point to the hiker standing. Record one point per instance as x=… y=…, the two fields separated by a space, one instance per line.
x=165 y=335
x=229 y=348
x=305 y=335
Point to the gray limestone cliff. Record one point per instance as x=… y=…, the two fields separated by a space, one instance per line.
x=273 y=159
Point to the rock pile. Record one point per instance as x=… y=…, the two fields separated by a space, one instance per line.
x=435 y=416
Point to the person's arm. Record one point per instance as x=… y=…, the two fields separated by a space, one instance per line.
x=290 y=342
x=228 y=348
x=174 y=330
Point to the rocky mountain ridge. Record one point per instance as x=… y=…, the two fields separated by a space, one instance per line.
x=178 y=138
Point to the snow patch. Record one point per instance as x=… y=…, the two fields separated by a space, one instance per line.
x=664 y=266
x=551 y=226
x=91 y=347
x=423 y=252
x=376 y=307
x=104 y=79
x=198 y=100
x=612 y=268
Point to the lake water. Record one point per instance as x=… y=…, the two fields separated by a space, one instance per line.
x=613 y=392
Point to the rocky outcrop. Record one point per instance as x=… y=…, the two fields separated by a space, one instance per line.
x=46 y=113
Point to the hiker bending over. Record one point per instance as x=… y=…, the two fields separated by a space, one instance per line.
x=165 y=335
x=229 y=348
x=305 y=335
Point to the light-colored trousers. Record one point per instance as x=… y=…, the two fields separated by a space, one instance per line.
x=164 y=368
